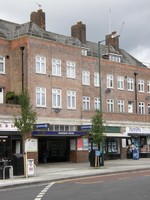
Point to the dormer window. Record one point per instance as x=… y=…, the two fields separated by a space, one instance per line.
x=112 y=57
x=84 y=52
x=115 y=57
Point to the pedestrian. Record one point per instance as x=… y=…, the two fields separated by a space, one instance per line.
x=45 y=156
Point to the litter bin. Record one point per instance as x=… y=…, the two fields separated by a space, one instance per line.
x=92 y=158
x=18 y=164
x=3 y=164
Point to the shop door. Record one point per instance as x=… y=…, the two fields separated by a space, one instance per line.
x=4 y=148
x=55 y=150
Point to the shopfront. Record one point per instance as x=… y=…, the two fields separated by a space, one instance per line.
x=10 y=141
x=60 y=146
x=140 y=137
x=115 y=142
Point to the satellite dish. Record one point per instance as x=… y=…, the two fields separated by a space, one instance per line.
x=108 y=91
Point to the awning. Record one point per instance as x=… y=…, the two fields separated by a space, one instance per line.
x=139 y=134
x=117 y=135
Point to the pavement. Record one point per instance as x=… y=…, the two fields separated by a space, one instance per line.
x=53 y=172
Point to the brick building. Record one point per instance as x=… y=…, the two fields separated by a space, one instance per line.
x=61 y=74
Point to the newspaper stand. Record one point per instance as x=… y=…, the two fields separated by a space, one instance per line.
x=31 y=168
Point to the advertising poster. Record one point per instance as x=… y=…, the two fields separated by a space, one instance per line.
x=85 y=144
x=31 y=145
x=79 y=144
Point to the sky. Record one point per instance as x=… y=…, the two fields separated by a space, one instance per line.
x=130 y=18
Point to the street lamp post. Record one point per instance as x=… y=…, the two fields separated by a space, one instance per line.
x=99 y=67
x=113 y=35
x=100 y=87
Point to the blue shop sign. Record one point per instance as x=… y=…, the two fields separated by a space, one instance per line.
x=44 y=126
x=86 y=127
x=59 y=133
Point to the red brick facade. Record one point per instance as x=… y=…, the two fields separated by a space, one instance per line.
x=39 y=46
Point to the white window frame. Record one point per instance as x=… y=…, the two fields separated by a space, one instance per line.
x=120 y=106
x=2 y=65
x=1 y=95
x=141 y=108
x=40 y=64
x=56 y=98
x=96 y=79
x=97 y=103
x=141 y=85
x=114 y=58
x=85 y=77
x=56 y=67
x=71 y=69
x=84 y=52
x=71 y=99
x=120 y=82
x=110 y=105
x=85 y=103
x=148 y=86
x=130 y=84
x=110 y=81
x=40 y=97
x=130 y=106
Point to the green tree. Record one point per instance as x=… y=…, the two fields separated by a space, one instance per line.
x=27 y=117
x=97 y=131
x=25 y=121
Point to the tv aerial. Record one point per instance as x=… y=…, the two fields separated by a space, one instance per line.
x=39 y=5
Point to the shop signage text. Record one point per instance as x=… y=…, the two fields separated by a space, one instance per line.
x=8 y=127
x=57 y=133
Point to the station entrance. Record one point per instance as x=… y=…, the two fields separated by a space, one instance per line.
x=54 y=149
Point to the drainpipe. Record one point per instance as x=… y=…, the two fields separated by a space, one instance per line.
x=135 y=74
x=22 y=61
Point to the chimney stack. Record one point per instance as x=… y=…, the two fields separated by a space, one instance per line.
x=38 y=18
x=79 y=31
x=113 y=40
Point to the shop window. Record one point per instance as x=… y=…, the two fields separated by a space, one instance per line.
x=112 y=145
x=143 y=141
x=144 y=144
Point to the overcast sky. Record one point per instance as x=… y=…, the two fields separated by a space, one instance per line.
x=130 y=18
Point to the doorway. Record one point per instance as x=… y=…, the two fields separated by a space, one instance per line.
x=54 y=150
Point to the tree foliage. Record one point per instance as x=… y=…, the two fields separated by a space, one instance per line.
x=27 y=117
x=98 y=128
